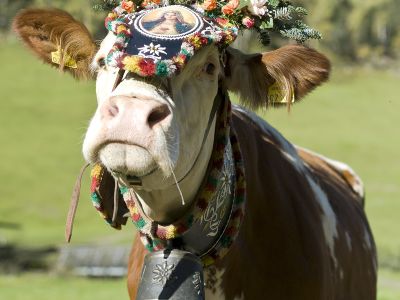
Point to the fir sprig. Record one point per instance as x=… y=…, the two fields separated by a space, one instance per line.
x=104 y=5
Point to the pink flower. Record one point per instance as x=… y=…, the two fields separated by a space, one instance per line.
x=248 y=22
x=230 y=7
x=222 y=22
x=257 y=7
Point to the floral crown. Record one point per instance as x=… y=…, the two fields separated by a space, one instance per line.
x=264 y=16
x=155 y=38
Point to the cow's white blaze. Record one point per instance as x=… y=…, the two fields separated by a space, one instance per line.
x=367 y=239
x=348 y=240
x=328 y=218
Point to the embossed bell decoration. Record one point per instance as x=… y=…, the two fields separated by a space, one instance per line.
x=171 y=274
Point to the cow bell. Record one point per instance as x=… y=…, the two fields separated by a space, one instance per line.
x=171 y=274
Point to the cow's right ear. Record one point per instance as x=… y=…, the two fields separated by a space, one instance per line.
x=281 y=76
x=57 y=39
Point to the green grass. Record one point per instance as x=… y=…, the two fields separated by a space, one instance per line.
x=43 y=115
x=388 y=285
x=48 y=287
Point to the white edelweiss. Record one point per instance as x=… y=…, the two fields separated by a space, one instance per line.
x=257 y=7
x=212 y=32
x=198 y=8
x=152 y=49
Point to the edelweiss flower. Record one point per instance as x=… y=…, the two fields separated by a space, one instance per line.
x=153 y=49
x=162 y=273
x=257 y=7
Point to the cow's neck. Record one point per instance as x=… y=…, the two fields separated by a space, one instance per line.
x=165 y=205
x=218 y=205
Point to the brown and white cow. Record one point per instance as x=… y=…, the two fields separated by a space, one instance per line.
x=304 y=235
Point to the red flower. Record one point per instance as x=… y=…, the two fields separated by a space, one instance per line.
x=94 y=185
x=147 y=67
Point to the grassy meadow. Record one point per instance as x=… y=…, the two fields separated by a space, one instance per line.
x=43 y=116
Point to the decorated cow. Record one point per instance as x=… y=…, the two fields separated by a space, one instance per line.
x=225 y=207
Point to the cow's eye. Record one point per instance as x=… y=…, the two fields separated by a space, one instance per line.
x=101 y=62
x=209 y=68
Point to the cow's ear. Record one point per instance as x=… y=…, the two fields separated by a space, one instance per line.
x=277 y=77
x=57 y=39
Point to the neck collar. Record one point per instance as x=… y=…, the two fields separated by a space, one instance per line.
x=214 y=220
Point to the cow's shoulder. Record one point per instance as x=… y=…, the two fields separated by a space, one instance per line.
x=258 y=137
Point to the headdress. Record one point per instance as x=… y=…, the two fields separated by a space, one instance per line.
x=156 y=37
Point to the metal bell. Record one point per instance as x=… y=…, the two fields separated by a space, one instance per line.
x=171 y=274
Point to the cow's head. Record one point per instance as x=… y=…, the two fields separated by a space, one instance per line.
x=148 y=128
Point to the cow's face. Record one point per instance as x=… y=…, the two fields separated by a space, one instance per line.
x=150 y=127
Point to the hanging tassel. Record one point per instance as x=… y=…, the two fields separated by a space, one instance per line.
x=74 y=204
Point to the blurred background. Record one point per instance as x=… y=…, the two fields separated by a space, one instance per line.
x=353 y=118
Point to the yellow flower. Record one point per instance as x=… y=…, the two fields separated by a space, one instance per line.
x=112 y=15
x=171 y=232
x=131 y=63
x=179 y=60
x=195 y=41
x=96 y=171
x=120 y=28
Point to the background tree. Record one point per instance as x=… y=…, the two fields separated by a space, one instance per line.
x=353 y=30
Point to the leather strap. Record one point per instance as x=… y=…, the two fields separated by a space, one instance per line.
x=74 y=204
x=115 y=209
x=214 y=109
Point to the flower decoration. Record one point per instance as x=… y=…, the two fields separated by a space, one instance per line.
x=225 y=17
x=230 y=7
x=257 y=7
x=128 y=6
x=162 y=273
x=209 y=5
x=248 y=22
x=262 y=15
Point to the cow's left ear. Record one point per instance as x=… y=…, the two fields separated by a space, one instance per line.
x=277 y=77
x=57 y=39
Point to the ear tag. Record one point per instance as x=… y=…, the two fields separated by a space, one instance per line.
x=68 y=60
x=277 y=95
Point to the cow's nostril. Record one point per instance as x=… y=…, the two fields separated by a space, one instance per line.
x=113 y=110
x=158 y=114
